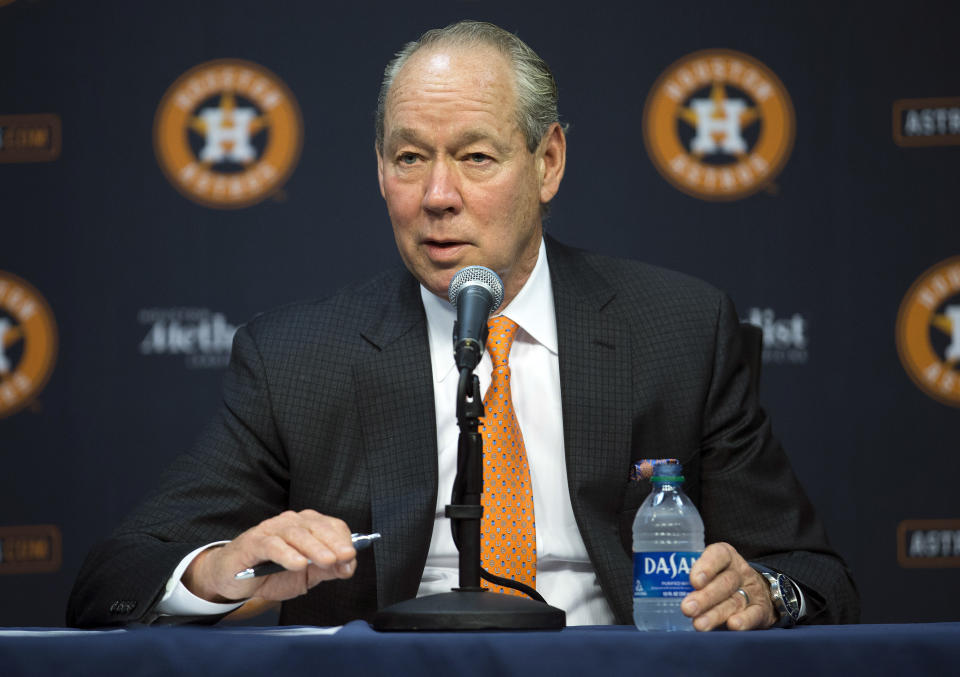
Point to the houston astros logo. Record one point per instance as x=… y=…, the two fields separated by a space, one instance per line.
x=28 y=343
x=928 y=332
x=228 y=133
x=718 y=125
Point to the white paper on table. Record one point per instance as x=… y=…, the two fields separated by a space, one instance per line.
x=43 y=632
x=284 y=631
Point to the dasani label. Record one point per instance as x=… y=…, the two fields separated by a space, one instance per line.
x=663 y=574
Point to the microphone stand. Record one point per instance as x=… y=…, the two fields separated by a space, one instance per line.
x=469 y=607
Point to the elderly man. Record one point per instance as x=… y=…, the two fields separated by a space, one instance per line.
x=338 y=415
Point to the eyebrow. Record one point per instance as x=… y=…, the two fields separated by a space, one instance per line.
x=404 y=134
x=401 y=134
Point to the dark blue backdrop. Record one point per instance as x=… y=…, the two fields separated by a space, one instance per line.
x=832 y=247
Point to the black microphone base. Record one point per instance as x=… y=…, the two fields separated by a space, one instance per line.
x=470 y=610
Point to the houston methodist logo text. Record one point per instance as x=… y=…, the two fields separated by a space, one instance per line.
x=203 y=337
x=718 y=125
x=228 y=133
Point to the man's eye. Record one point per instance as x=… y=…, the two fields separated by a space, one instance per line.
x=407 y=158
x=477 y=158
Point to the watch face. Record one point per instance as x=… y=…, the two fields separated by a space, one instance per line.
x=788 y=595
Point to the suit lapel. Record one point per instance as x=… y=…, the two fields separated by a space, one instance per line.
x=596 y=393
x=397 y=416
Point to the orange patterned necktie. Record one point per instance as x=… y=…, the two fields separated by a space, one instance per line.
x=508 y=537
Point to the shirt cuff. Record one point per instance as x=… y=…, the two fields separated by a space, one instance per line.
x=178 y=601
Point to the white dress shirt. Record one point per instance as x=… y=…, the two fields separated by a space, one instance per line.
x=565 y=575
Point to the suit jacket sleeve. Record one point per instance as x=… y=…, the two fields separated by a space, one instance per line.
x=749 y=495
x=235 y=477
x=312 y=399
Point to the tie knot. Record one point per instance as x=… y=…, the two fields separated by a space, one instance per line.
x=502 y=332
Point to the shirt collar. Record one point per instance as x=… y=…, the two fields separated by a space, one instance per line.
x=532 y=309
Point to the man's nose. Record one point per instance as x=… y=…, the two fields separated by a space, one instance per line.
x=442 y=192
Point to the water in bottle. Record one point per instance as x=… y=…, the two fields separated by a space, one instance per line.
x=667 y=540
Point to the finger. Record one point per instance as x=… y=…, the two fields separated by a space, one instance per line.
x=346 y=569
x=321 y=538
x=720 y=613
x=305 y=540
x=714 y=559
x=754 y=616
x=258 y=549
x=276 y=548
x=720 y=589
x=341 y=570
x=288 y=584
x=332 y=532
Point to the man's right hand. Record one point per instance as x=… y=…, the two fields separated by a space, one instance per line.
x=289 y=539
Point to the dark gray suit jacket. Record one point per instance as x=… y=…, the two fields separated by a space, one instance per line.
x=329 y=405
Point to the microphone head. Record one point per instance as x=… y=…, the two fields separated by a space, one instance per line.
x=477 y=276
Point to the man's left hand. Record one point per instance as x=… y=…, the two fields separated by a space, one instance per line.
x=716 y=576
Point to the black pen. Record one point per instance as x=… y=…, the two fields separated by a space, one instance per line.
x=360 y=541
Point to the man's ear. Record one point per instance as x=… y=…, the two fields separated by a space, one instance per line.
x=551 y=162
x=379 y=170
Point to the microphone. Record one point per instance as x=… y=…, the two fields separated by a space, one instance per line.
x=475 y=292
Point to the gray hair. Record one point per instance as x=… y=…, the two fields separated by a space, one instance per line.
x=535 y=87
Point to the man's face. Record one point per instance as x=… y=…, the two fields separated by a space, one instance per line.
x=460 y=184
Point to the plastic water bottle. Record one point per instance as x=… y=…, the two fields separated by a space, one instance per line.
x=667 y=540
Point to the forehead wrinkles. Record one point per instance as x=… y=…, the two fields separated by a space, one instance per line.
x=477 y=81
x=444 y=103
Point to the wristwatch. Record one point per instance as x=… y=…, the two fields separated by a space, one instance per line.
x=785 y=600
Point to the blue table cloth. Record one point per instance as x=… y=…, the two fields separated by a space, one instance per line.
x=356 y=649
